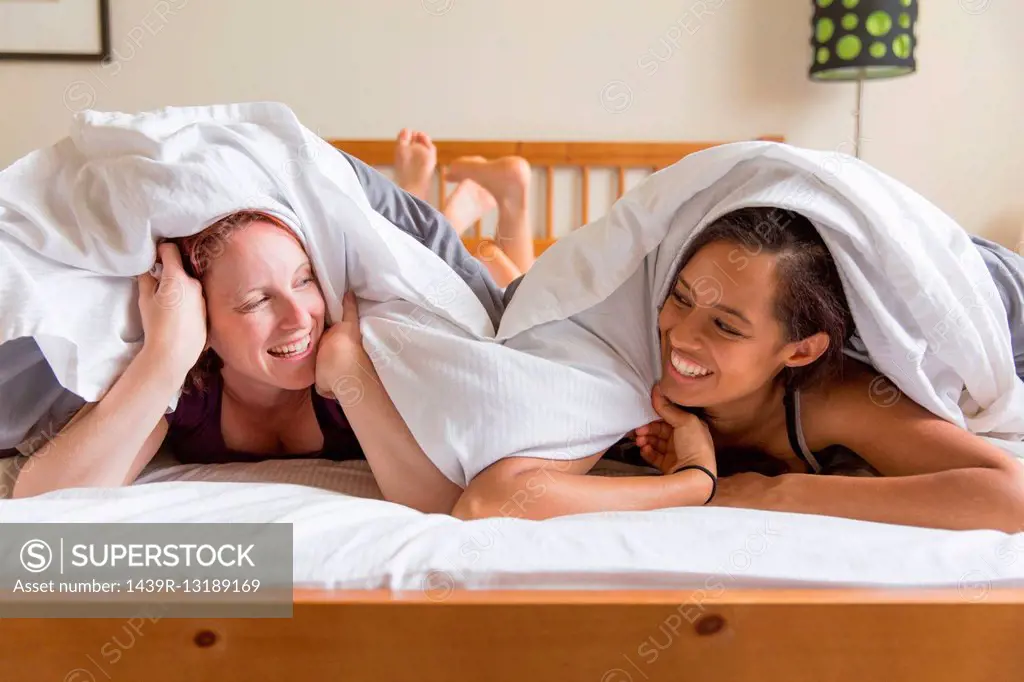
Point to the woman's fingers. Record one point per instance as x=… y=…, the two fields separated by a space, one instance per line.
x=668 y=411
x=659 y=429
x=657 y=441
x=654 y=440
x=655 y=458
x=651 y=456
x=349 y=307
x=657 y=399
x=170 y=258
x=147 y=284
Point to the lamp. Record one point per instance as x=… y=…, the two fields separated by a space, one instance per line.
x=858 y=40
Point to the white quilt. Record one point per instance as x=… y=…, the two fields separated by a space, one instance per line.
x=571 y=367
x=346 y=537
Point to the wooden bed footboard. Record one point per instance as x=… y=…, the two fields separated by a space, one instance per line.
x=713 y=634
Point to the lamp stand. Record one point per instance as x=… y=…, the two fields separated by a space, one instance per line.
x=857 y=116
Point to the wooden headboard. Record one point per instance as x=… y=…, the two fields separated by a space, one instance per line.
x=620 y=157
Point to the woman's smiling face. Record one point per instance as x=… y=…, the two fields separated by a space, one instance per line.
x=265 y=308
x=720 y=338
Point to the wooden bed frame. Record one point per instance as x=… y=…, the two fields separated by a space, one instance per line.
x=793 y=635
x=783 y=635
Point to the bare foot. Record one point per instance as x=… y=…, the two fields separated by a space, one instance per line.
x=415 y=160
x=507 y=178
x=467 y=204
x=508 y=181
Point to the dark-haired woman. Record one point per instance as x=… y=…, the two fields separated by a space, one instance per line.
x=754 y=382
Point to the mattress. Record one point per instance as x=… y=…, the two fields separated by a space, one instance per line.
x=346 y=537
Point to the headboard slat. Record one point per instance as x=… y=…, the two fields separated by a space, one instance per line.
x=585 y=192
x=549 y=191
x=442 y=199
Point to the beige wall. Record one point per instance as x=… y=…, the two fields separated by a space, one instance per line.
x=566 y=69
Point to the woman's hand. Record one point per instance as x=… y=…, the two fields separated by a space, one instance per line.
x=341 y=352
x=173 y=312
x=680 y=440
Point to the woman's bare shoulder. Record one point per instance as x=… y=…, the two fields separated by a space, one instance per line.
x=855 y=383
x=856 y=399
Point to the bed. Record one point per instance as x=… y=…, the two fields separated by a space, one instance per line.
x=383 y=592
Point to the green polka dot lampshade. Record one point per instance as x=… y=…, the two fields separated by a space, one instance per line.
x=854 y=39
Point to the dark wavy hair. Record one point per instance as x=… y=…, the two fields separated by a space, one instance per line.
x=809 y=296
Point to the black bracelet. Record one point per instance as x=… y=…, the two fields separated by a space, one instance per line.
x=714 y=479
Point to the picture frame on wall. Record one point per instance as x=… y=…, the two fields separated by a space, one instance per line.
x=55 y=30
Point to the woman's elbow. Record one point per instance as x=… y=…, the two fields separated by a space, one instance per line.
x=1012 y=498
x=433 y=504
x=21 y=491
x=31 y=486
x=34 y=486
x=999 y=491
x=476 y=504
x=33 y=481
x=495 y=494
x=28 y=482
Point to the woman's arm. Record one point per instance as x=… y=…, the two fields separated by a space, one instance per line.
x=542 y=488
x=934 y=473
x=403 y=471
x=964 y=499
x=108 y=443
x=530 y=488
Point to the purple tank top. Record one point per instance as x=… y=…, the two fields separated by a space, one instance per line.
x=195 y=437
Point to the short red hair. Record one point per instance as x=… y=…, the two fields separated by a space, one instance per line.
x=200 y=250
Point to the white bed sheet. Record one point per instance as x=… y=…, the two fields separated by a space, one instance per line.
x=347 y=538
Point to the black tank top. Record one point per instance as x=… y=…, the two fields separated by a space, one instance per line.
x=833 y=460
